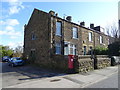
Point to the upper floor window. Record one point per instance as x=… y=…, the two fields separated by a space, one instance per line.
x=101 y=39
x=75 y=32
x=90 y=36
x=33 y=37
x=58 y=48
x=58 y=28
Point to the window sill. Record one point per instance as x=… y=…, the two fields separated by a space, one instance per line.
x=74 y=38
x=91 y=41
x=57 y=54
x=102 y=43
x=58 y=35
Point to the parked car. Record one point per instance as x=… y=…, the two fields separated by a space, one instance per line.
x=15 y=61
x=5 y=59
x=115 y=60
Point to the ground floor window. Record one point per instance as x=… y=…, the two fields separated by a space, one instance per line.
x=58 y=48
x=69 y=49
x=66 y=48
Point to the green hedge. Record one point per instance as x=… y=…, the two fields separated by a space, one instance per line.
x=101 y=51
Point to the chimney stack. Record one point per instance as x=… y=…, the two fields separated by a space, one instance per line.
x=97 y=28
x=69 y=18
x=82 y=23
x=92 y=26
x=56 y=14
x=52 y=12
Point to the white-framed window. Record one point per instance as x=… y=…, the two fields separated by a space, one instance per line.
x=75 y=32
x=58 y=48
x=74 y=50
x=69 y=49
x=33 y=37
x=66 y=48
x=101 y=39
x=90 y=36
x=108 y=41
x=58 y=28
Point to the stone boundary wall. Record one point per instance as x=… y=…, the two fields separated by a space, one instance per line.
x=85 y=63
x=82 y=63
x=102 y=61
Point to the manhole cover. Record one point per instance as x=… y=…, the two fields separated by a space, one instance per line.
x=55 y=80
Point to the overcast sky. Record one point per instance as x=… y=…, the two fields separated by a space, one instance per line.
x=16 y=13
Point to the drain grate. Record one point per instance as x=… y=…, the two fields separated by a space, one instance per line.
x=55 y=80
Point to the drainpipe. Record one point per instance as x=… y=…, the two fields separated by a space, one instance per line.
x=63 y=38
x=94 y=40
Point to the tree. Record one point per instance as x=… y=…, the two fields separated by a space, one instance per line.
x=114 y=49
x=18 y=51
x=113 y=31
x=5 y=51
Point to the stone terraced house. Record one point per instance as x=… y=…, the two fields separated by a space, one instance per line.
x=48 y=39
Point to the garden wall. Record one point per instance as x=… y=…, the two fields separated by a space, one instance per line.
x=101 y=61
x=85 y=63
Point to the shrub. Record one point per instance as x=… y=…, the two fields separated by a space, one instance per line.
x=101 y=51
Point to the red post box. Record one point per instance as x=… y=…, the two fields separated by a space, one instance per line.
x=70 y=61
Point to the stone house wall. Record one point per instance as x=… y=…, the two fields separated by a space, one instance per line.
x=37 y=50
x=97 y=40
x=85 y=40
x=41 y=50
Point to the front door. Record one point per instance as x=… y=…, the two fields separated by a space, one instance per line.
x=32 y=55
x=84 y=52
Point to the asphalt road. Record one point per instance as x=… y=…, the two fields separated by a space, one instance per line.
x=110 y=82
x=16 y=75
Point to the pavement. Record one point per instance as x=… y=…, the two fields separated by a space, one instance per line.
x=80 y=80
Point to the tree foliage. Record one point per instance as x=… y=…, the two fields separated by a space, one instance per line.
x=101 y=51
x=5 y=51
x=114 y=49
